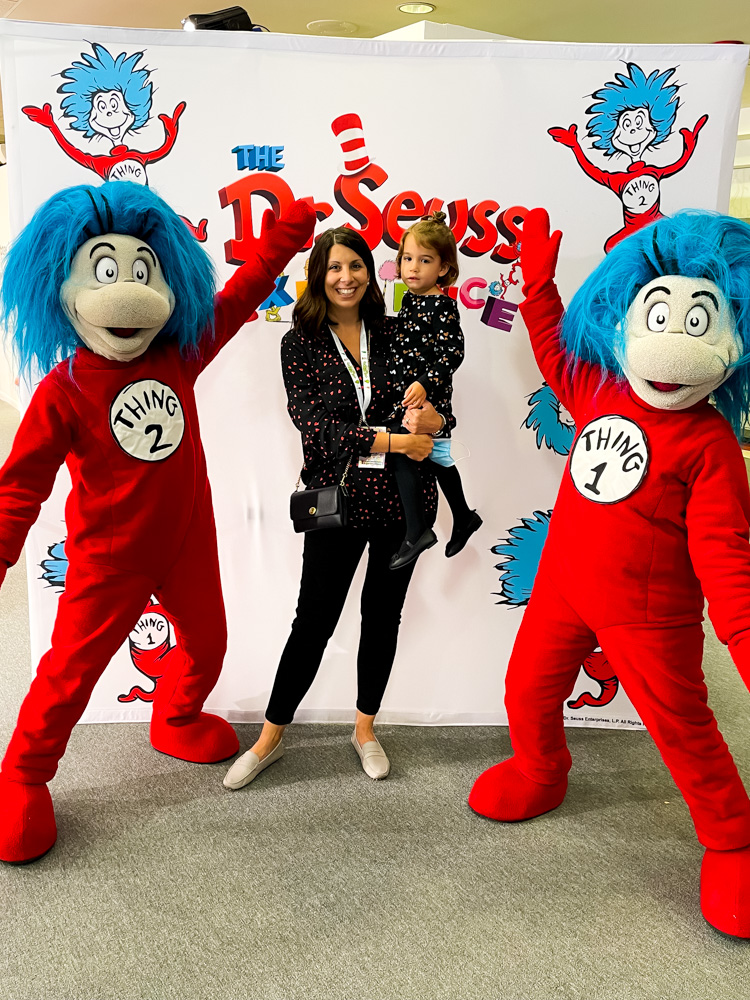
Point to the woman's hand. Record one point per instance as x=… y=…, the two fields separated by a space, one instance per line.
x=414 y=446
x=423 y=420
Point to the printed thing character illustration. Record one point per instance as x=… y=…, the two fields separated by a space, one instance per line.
x=630 y=115
x=106 y=287
x=105 y=98
x=655 y=496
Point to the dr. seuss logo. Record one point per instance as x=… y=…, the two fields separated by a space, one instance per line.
x=609 y=459
x=147 y=420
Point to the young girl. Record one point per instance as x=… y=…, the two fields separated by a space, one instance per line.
x=430 y=347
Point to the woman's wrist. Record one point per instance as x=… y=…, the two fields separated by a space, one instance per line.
x=443 y=422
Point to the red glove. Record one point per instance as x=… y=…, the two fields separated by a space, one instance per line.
x=281 y=239
x=3 y=571
x=567 y=136
x=690 y=136
x=41 y=115
x=539 y=250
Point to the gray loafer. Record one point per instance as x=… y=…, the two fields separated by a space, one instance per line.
x=249 y=766
x=375 y=764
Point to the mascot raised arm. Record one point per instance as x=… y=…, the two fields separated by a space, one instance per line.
x=652 y=516
x=107 y=288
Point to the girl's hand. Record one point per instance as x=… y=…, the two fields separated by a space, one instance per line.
x=415 y=446
x=416 y=394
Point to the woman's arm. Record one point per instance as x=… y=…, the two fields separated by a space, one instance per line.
x=414 y=446
x=426 y=420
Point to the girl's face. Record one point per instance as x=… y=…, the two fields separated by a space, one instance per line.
x=346 y=280
x=421 y=267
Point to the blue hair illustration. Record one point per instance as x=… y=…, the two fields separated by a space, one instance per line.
x=626 y=93
x=39 y=261
x=691 y=243
x=55 y=569
x=544 y=418
x=100 y=72
x=522 y=551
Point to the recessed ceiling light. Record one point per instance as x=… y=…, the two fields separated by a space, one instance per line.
x=416 y=8
x=332 y=27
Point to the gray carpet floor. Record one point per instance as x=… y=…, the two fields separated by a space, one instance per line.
x=315 y=883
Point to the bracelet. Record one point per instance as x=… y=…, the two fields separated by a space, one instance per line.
x=442 y=426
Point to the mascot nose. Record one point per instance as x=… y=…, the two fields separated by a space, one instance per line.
x=123 y=304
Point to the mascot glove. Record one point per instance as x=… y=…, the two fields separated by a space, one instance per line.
x=3 y=571
x=281 y=239
x=539 y=251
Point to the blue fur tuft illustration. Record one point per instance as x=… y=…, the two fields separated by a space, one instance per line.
x=54 y=569
x=39 y=261
x=626 y=93
x=522 y=551
x=101 y=73
x=545 y=419
x=690 y=243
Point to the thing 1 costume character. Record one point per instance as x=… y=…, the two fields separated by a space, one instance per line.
x=652 y=515
x=109 y=280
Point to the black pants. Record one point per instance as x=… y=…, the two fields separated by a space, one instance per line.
x=329 y=562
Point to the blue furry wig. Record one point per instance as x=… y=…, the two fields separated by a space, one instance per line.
x=691 y=243
x=39 y=261
x=101 y=72
x=626 y=93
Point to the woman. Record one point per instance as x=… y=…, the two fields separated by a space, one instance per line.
x=335 y=363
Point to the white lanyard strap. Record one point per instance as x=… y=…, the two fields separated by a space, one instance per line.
x=363 y=389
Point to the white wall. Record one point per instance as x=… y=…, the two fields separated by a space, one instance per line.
x=8 y=391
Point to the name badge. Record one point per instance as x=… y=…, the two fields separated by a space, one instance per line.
x=376 y=461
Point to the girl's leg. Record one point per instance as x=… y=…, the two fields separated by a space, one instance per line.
x=411 y=493
x=465 y=520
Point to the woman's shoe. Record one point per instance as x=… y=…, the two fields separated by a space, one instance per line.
x=375 y=764
x=460 y=536
x=249 y=765
x=409 y=551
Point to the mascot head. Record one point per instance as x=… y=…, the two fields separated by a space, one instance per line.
x=669 y=310
x=108 y=268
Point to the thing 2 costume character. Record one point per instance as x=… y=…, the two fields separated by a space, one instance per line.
x=109 y=283
x=652 y=515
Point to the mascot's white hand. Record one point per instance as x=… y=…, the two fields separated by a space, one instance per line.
x=539 y=250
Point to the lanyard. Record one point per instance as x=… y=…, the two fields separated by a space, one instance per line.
x=363 y=389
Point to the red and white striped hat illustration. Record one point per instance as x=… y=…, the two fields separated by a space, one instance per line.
x=348 y=130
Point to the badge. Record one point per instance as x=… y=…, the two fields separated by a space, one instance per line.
x=609 y=459
x=147 y=420
x=376 y=461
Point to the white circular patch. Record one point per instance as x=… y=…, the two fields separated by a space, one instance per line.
x=609 y=459
x=640 y=194
x=151 y=630
x=128 y=170
x=147 y=420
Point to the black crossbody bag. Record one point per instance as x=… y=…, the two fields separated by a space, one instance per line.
x=311 y=510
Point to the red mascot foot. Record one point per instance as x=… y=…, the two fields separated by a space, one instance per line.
x=503 y=793
x=725 y=891
x=27 y=821
x=205 y=740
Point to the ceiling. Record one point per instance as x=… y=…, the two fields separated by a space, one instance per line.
x=635 y=21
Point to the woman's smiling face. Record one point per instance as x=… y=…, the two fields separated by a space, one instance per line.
x=346 y=278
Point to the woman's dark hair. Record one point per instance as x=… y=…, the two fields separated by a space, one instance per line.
x=310 y=313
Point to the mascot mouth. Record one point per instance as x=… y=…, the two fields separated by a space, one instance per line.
x=123 y=332
x=666 y=386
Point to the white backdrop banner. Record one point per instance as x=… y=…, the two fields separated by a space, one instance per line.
x=374 y=133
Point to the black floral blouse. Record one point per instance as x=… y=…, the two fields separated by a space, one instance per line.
x=428 y=348
x=323 y=406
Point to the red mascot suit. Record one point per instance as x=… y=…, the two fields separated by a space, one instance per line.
x=652 y=516
x=109 y=283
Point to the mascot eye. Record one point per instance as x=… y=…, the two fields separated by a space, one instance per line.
x=658 y=317
x=106 y=270
x=140 y=271
x=696 y=321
